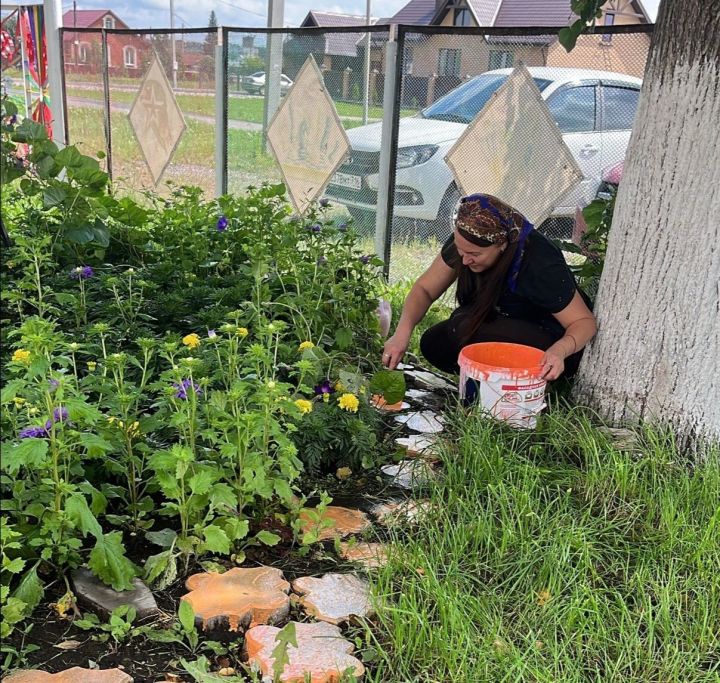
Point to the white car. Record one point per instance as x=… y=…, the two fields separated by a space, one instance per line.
x=594 y=110
x=255 y=83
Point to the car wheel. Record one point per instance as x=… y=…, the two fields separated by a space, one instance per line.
x=261 y=92
x=442 y=227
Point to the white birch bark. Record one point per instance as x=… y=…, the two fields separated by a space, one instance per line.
x=657 y=353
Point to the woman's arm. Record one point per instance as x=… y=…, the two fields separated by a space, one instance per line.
x=580 y=327
x=428 y=288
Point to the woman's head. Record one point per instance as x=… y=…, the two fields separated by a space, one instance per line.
x=489 y=237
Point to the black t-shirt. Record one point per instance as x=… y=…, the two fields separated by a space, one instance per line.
x=545 y=284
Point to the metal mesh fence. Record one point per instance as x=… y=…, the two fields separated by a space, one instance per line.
x=442 y=79
x=356 y=98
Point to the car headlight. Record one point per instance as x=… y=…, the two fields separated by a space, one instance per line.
x=412 y=156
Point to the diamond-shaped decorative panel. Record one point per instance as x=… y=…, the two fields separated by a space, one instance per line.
x=513 y=150
x=307 y=138
x=156 y=119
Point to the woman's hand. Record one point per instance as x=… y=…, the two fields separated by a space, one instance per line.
x=394 y=350
x=553 y=365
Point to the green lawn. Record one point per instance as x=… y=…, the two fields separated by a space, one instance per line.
x=554 y=556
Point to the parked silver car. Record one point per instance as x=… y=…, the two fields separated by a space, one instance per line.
x=255 y=83
x=593 y=109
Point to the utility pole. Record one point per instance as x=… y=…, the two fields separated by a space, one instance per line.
x=53 y=24
x=366 y=102
x=273 y=62
x=174 y=53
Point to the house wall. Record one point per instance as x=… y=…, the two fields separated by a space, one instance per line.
x=624 y=54
x=93 y=49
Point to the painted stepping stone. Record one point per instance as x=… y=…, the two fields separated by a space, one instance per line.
x=98 y=597
x=75 y=675
x=419 y=394
x=321 y=655
x=239 y=597
x=335 y=597
x=430 y=381
x=369 y=555
x=344 y=522
x=417 y=445
x=409 y=474
x=423 y=421
x=396 y=513
x=405 y=366
x=381 y=404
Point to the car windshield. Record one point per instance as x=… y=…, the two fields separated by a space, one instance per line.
x=462 y=104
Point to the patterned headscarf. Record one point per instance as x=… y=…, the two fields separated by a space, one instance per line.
x=484 y=220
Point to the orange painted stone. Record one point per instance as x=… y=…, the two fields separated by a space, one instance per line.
x=322 y=653
x=344 y=522
x=398 y=513
x=381 y=404
x=369 y=555
x=239 y=597
x=334 y=597
x=74 y=675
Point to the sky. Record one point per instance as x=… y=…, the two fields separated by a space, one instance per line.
x=241 y=13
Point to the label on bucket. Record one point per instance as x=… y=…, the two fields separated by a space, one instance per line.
x=517 y=403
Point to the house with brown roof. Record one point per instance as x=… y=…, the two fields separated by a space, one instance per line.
x=435 y=64
x=340 y=56
x=82 y=52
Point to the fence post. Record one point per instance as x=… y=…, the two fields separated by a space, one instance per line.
x=273 y=64
x=388 y=146
x=53 y=25
x=221 y=109
x=107 y=120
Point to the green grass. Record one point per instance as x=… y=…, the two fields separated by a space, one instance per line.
x=239 y=108
x=553 y=556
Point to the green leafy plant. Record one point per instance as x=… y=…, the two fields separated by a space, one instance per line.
x=587 y=11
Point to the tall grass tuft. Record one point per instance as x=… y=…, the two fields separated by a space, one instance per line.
x=555 y=556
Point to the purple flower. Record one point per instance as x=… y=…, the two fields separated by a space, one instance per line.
x=182 y=389
x=324 y=202
x=342 y=227
x=59 y=415
x=324 y=388
x=365 y=259
x=212 y=334
x=222 y=224
x=82 y=273
x=315 y=227
x=54 y=384
x=35 y=432
x=321 y=261
x=13 y=119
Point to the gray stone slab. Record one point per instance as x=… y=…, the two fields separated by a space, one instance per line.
x=95 y=595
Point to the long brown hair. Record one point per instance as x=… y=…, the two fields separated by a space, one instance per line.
x=478 y=293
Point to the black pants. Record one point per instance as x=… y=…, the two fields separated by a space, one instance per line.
x=441 y=345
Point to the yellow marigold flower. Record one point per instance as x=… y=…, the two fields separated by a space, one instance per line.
x=242 y=332
x=192 y=341
x=304 y=405
x=18 y=401
x=306 y=345
x=91 y=365
x=271 y=384
x=21 y=356
x=349 y=402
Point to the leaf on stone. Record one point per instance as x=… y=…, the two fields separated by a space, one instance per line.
x=390 y=384
x=286 y=636
x=108 y=562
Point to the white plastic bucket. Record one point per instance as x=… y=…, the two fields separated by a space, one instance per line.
x=505 y=380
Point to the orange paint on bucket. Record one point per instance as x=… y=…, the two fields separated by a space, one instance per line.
x=505 y=379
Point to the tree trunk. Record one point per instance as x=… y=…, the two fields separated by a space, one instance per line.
x=656 y=356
